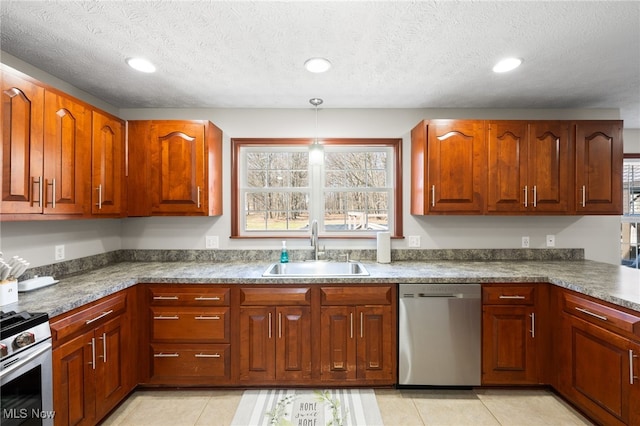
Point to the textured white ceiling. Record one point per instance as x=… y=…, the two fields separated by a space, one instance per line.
x=385 y=54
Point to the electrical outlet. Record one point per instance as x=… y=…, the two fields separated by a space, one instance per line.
x=59 y=252
x=551 y=240
x=414 y=241
x=211 y=242
x=525 y=242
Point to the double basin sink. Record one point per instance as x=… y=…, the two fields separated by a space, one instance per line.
x=316 y=269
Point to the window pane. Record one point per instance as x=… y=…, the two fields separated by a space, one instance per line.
x=256 y=160
x=256 y=178
x=278 y=179
x=255 y=202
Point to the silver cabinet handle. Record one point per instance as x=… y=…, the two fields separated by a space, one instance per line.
x=585 y=311
x=526 y=196
x=39 y=182
x=99 y=203
x=104 y=347
x=93 y=353
x=351 y=315
x=535 y=196
x=433 y=195
x=165 y=297
x=207 y=355
x=502 y=296
x=279 y=325
x=102 y=315
x=163 y=355
x=198 y=196
x=361 y=324
x=584 y=196
x=632 y=377
x=199 y=298
x=166 y=317
x=269 y=325
x=533 y=325
x=53 y=193
x=203 y=317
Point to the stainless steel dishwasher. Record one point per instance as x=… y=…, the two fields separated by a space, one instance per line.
x=439 y=334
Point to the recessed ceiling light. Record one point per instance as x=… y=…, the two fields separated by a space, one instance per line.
x=141 y=64
x=507 y=64
x=317 y=65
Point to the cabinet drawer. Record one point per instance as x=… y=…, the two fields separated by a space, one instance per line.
x=275 y=296
x=600 y=314
x=508 y=295
x=189 y=324
x=375 y=295
x=189 y=296
x=102 y=310
x=200 y=363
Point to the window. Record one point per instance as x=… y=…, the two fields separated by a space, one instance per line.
x=630 y=226
x=356 y=191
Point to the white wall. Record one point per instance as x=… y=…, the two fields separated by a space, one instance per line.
x=35 y=241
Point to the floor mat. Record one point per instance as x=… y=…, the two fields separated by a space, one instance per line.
x=305 y=407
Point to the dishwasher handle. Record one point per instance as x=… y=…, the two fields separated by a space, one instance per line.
x=442 y=296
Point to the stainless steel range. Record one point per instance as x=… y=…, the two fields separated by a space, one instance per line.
x=25 y=369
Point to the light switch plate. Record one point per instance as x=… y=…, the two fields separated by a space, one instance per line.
x=414 y=241
x=551 y=240
x=211 y=242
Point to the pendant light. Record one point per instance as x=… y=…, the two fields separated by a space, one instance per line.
x=316 y=153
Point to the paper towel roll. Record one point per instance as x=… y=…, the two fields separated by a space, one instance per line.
x=384 y=247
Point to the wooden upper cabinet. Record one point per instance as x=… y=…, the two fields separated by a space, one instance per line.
x=599 y=161
x=67 y=133
x=21 y=112
x=454 y=154
x=107 y=165
x=175 y=168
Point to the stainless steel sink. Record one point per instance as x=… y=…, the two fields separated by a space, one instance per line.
x=316 y=269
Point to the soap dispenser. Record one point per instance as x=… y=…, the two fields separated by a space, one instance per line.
x=284 y=254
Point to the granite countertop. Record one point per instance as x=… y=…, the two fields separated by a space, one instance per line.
x=616 y=284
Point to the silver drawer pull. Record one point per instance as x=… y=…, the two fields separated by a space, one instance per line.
x=163 y=355
x=584 y=311
x=207 y=355
x=166 y=317
x=165 y=297
x=502 y=296
x=206 y=298
x=632 y=377
x=202 y=317
x=102 y=315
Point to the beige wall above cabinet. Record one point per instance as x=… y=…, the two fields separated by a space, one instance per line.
x=175 y=168
x=516 y=167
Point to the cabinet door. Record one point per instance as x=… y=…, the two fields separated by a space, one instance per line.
x=375 y=347
x=73 y=381
x=508 y=345
x=177 y=168
x=550 y=167
x=507 y=187
x=257 y=344
x=107 y=165
x=456 y=165
x=293 y=347
x=67 y=141
x=338 y=343
x=599 y=161
x=21 y=112
x=634 y=381
x=111 y=381
x=599 y=374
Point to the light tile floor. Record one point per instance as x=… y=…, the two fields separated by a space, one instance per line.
x=519 y=407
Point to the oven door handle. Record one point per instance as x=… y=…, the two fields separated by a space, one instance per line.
x=20 y=362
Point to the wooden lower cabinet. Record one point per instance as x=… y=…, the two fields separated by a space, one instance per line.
x=92 y=371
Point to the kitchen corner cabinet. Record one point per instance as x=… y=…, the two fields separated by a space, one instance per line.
x=599 y=162
x=529 y=167
x=448 y=167
x=92 y=360
x=597 y=363
x=275 y=335
x=513 y=341
x=175 y=168
x=107 y=166
x=357 y=335
x=188 y=335
x=45 y=150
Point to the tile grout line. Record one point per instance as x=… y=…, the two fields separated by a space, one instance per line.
x=488 y=409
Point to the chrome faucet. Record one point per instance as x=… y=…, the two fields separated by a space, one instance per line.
x=314 y=238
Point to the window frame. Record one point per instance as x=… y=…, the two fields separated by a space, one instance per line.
x=394 y=144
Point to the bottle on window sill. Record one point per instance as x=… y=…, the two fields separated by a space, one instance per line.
x=284 y=254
